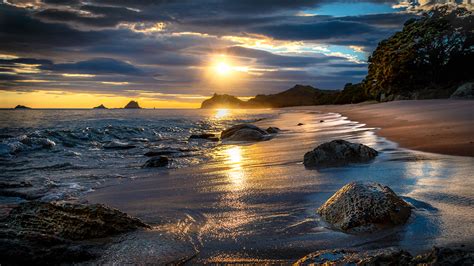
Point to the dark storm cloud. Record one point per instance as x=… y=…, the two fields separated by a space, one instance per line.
x=22 y=32
x=96 y=66
x=110 y=39
x=316 y=31
x=29 y=61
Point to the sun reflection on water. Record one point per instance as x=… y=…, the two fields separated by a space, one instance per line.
x=221 y=113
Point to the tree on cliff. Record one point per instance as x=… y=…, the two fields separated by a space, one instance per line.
x=427 y=59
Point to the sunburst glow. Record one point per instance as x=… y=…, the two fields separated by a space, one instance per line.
x=223 y=68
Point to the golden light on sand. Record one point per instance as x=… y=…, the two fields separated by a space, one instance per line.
x=236 y=172
x=234 y=155
x=220 y=113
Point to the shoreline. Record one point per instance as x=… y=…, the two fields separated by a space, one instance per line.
x=436 y=126
x=255 y=202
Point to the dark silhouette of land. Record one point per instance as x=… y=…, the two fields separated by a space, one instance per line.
x=132 y=105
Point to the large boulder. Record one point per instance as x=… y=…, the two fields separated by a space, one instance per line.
x=244 y=132
x=50 y=233
x=337 y=153
x=364 y=207
x=465 y=91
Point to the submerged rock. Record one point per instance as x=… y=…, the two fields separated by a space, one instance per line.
x=390 y=256
x=244 y=132
x=37 y=142
x=359 y=207
x=160 y=152
x=338 y=152
x=157 y=161
x=207 y=136
x=55 y=232
x=272 y=130
x=118 y=145
x=465 y=91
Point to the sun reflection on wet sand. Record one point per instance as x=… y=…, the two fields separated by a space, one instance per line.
x=236 y=173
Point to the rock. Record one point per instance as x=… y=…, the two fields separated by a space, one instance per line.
x=100 y=107
x=359 y=207
x=55 y=232
x=118 y=145
x=38 y=142
x=223 y=101
x=321 y=121
x=465 y=91
x=272 y=130
x=160 y=152
x=244 y=132
x=22 y=107
x=349 y=257
x=132 y=105
x=445 y=256
x=389 y=256
x=207 y=136
x=337 y=153
x=157 y=161
x=300 y=124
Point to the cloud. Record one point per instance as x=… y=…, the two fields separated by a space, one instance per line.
x=96 y=66
x=165 y=46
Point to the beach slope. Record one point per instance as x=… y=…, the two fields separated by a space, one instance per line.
x=438 y=126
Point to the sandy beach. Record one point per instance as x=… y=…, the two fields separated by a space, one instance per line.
x=254 y=202
x=438 y=126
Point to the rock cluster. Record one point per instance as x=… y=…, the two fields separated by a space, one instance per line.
x=337 y=153
x=56 y=232
x=363 y=207
x=436 y=256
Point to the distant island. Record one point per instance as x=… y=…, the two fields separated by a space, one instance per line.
x=132 y=105
x=100 y=107
x=22 y=107
x=299 y=95
x=428 y=59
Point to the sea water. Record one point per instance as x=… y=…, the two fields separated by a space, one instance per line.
x=230 y=201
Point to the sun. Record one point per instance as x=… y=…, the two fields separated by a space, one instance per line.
x=223 y=68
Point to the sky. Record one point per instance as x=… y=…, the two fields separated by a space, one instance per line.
x=176 y=53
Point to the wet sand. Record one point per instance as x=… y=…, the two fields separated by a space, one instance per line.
x=256 y=202
x=438 y=126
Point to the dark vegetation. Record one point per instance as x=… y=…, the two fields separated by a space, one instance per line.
x=430 y=58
